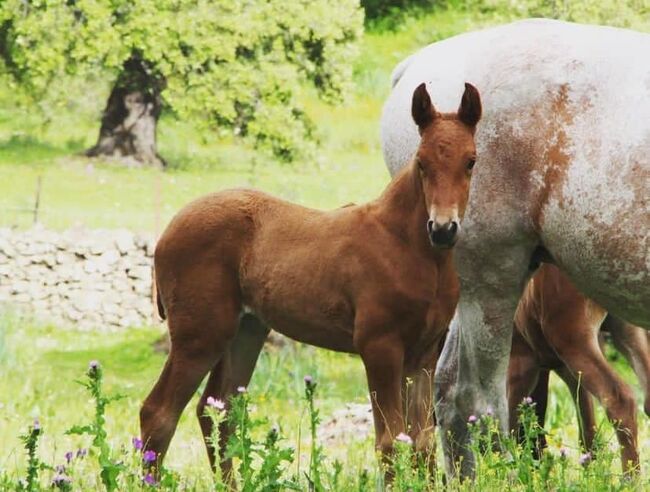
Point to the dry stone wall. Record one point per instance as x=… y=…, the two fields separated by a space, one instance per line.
x=95 y=279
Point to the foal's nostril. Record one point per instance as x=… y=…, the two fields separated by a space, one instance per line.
x=430 y=227
x=453 y=227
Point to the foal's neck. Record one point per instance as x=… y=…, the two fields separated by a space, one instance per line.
x=402 y=208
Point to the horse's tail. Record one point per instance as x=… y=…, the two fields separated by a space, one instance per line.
x=161 y=308
x=399 y=70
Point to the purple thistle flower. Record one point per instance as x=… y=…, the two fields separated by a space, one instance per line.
x=585 y=459
x=137 y=443
x=563 y=453
x=489 y=411
x=149 y=479
x=37 y=425
x=82 y=452
x=405 y=438
x=528 y=400
x=308 y=379
x=68 y=457
x=472 y=419
x=241 y=389
x=93 y=365
x=215 y=403
x=60 y=480
x=149 y=456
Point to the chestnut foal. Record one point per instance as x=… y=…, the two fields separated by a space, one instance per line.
x=557 y=328
x=375 y=279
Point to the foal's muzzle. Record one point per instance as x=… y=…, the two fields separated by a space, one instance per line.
x=443 y=235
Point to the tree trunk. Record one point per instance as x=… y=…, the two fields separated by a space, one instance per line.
x=130 y=119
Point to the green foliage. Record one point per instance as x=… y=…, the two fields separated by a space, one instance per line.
x=34 y=465
x=236 y=66
x=376 y=9
x=261 y=463
x=317 y=456
x=110 y=468
x=623 y=13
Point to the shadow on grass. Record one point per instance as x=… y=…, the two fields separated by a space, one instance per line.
x=27 y=149
x=127 y=361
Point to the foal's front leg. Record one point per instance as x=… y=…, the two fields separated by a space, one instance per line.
x=383 y=357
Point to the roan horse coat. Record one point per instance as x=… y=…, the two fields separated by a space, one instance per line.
x=562 y=174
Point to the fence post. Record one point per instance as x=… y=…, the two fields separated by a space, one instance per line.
x=37 y=202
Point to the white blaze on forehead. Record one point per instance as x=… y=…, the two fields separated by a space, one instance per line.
x=442 y=216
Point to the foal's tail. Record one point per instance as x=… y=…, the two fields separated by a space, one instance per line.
x=161 y=308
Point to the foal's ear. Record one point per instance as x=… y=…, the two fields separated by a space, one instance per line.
x=422 y=110
x=469 y=111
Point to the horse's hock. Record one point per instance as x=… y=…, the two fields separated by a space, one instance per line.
x=91 y=279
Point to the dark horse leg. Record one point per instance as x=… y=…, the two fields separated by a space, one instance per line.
x=523 y=376
x=235 y=369
x=540 y=399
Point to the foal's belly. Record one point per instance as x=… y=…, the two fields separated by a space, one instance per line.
x=304 y=304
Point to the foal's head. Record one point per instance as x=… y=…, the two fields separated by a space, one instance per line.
x=445 y=159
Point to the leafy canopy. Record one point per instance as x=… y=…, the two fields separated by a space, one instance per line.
x=235 y=65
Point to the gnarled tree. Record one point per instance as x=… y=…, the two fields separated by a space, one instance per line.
x=235 y=65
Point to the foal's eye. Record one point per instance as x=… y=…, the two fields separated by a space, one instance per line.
x=470 y=164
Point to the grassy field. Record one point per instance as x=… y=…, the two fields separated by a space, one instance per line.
x=39 y=364
x=39 y=367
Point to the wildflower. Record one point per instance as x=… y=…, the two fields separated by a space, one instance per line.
x=528 y=400
x=149 y=479
x=149 y=456
x=241 y=389
x=405 y=438
x=489 y=411
x=61 y=480
x=215 y=403
x=563 y=453
x=472 y=419
x=137 y=443
x=93 y=365
x=68 y=457
x=82 y=452
x=37 y=425
x=308 y=379
x=60 y=469
x=585 y=459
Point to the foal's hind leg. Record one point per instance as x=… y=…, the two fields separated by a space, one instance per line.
x=584 y=408
x=199 y=332
x=523 y=375
x=235 y=369
x=583 y=357
x=634 y=343
x=540 y=400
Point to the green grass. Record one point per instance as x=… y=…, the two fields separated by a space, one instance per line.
x=39 y=365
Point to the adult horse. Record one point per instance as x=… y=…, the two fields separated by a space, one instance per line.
x=563 y=175
x=374 y=279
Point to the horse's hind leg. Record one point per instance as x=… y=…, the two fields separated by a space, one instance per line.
x=235 y=369
x=633 y=342
x=540 y=400
x=523 y=375
x=587 y=363
x=200 y=331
